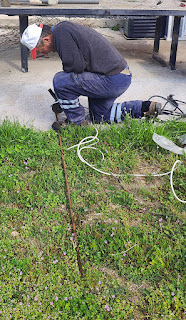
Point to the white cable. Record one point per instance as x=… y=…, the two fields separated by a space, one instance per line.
x=171 y=181
x=90 y=139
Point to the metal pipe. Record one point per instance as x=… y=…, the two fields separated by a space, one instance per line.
x=78 y=1
x=56 y=1
x=73 y=1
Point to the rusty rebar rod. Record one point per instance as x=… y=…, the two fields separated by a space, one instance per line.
x=70 y=204
x=68 y=193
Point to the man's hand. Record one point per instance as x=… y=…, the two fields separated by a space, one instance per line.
x=56 y=107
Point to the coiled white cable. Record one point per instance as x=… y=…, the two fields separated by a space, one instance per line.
x=89 y=139
x=171 y=181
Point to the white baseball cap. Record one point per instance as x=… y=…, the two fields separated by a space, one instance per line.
x=30 y=37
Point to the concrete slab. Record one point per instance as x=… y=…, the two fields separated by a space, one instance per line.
x=24 y=96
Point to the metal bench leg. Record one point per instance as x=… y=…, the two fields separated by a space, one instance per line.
x=157 y=37
x=174 y=44
x=23 y=24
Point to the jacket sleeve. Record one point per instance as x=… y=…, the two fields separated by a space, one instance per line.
x=71 y=56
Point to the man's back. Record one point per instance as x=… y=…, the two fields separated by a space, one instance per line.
x=83 y=49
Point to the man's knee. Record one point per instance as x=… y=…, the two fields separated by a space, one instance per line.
x=58 y=80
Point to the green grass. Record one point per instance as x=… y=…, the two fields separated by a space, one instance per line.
x=130 y=230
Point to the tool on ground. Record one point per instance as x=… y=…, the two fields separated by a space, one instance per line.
x=176 y=110
x=58 y=129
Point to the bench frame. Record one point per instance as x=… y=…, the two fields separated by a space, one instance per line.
x=24 y=13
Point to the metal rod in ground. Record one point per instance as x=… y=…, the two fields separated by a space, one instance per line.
x=70 y=204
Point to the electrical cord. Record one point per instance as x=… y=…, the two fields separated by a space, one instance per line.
x=174 y=103
x=171 y=181
x=89 y=140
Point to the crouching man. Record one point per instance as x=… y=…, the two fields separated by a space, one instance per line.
x=92 y=67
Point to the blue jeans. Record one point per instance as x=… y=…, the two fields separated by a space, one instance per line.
x=101 y=91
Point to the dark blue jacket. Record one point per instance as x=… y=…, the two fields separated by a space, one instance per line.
x=84 y=49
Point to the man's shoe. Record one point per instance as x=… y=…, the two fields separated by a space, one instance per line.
x=56 y=127
x=154 y=109
x=60 y=125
